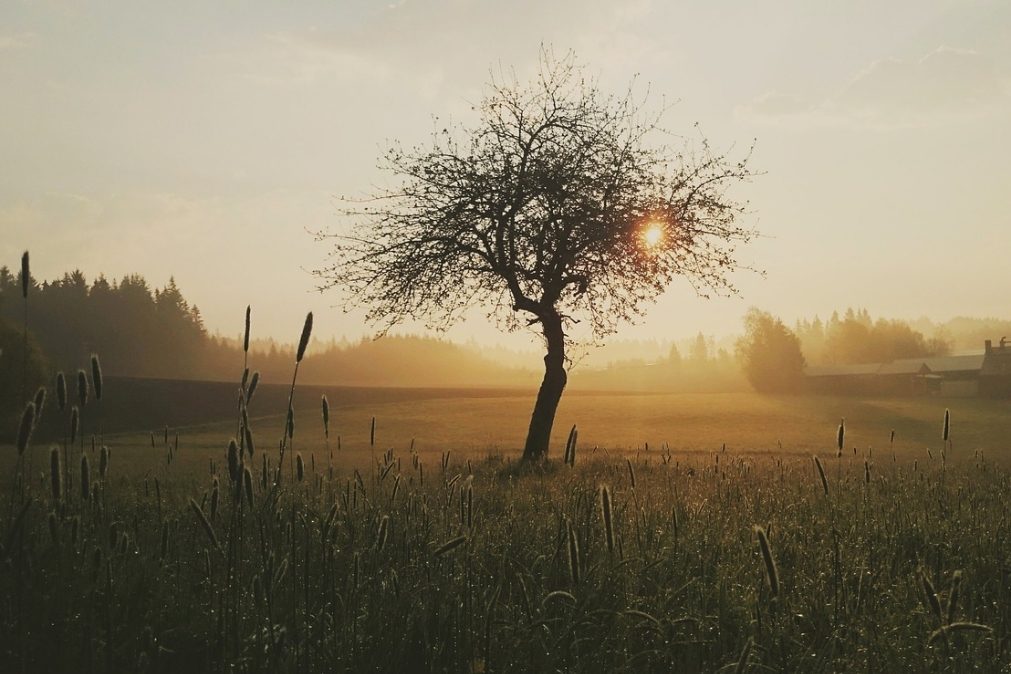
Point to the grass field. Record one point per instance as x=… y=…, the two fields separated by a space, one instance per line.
x=479 y=423
x=453 y=558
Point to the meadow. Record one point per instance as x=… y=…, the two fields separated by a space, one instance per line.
x=689 y=533
x=482 y=423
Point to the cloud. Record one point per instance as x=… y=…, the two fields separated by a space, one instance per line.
x=16 y=41
x=944 y=80
x=303 y=58
x=433 y=47
x=774 y=105
x=945 y=86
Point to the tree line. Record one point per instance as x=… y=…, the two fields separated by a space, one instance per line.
x=855 y=337
x=774 y=357
x=139 y=330
x=150 y=332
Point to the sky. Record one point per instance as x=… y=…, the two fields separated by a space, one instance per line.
x=207 y=141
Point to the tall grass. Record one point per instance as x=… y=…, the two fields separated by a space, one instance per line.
x=624 y=563
x=25 y=283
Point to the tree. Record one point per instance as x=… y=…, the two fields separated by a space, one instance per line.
x=674 y=356
x=555 y=208
x=699 y=352
x=770 y=354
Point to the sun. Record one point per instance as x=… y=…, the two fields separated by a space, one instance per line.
x=653 y=235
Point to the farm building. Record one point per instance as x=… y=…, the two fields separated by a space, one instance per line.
x=978 y=374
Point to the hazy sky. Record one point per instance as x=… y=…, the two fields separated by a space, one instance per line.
x=203 y=139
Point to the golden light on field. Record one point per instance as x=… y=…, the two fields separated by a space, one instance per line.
x=653 y=234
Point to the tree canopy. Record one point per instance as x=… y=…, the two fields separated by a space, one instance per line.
x=770 y=354
x=857 y=338
x=559 y=204
x=139 y=330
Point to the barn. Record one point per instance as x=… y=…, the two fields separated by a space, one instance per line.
x=995 y=374
x=985 y=374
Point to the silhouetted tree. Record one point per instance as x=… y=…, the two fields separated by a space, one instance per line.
x=556 y=207
x=770 y=354
x=138 y=331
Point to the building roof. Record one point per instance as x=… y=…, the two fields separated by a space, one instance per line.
x=862 y=369
x=956 y=363
x=904 y=366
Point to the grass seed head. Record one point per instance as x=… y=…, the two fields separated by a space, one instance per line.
x=821 y=474
x=26 y=427
x=249 y=440
x=771 y=571
x=96 y=376
x=253 y=382
x=82 y=388
x=245 y=337
x=303 y=341
x=40 y=402
x=326 y=416
x=26 y=274
x=247 y=483
x=61 y=391
x=570 y=447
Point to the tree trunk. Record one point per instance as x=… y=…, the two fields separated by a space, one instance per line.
x=543 y=418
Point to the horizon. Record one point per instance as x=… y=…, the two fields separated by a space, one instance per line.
x=517 y=345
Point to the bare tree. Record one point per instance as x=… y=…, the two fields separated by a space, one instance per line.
x=563 y=204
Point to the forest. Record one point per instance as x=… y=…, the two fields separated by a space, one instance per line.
x=149 y=332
